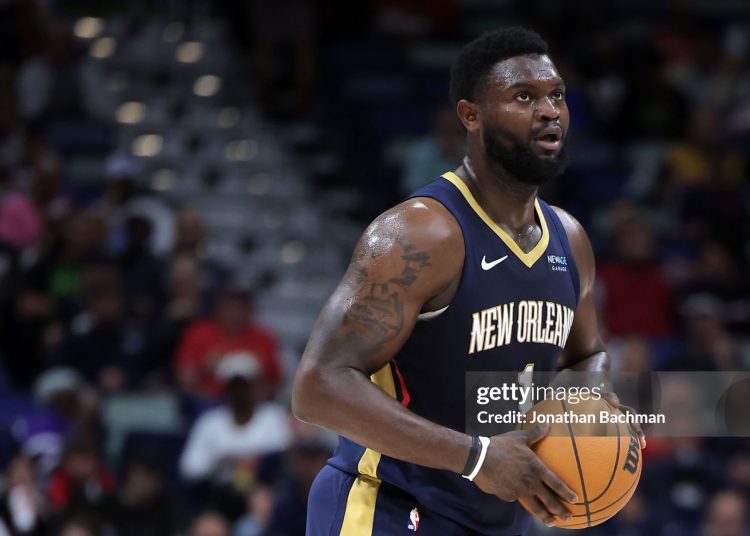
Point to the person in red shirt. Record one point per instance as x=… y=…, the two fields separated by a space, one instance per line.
x=636 y=298
x=205 y=342
x=81 y=481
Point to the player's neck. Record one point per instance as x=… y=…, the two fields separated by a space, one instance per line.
x=508 y=201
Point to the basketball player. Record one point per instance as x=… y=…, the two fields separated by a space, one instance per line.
x=386 y=361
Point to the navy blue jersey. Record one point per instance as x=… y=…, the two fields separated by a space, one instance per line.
x=511 y=309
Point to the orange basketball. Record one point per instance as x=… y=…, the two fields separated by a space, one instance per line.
x=600 y=461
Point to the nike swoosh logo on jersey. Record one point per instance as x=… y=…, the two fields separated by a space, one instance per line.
x=490 y=265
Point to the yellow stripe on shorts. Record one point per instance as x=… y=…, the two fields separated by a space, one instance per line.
x=359 y=515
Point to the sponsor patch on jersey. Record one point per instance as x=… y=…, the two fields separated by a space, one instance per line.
x=557 y=263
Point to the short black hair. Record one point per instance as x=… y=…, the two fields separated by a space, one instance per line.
x=477 y=58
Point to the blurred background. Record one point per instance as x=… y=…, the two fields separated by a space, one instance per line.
x=182 y=182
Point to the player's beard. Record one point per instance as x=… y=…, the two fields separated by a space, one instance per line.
x=519 y=160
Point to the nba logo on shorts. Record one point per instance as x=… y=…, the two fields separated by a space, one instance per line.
x=413 y=520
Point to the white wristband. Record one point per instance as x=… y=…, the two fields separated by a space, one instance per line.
x=485 y=441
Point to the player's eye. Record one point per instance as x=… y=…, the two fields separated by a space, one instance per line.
x=558 y=94
x=523 y=97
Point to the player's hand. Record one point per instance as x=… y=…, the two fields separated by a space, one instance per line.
x=513 y=471
x=614 y=401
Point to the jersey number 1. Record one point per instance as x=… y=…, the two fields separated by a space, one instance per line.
x=525 y=379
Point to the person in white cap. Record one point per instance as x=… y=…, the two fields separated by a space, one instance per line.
x=124 y=197
x=226 y=442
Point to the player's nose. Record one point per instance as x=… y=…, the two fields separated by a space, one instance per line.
x=547 y=110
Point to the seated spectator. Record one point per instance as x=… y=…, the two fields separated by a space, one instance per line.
x=676 y=485
x=702 y=157
x=714 y=271
x=78 y=527
x=432 y=156
x=124 y=199
x=636 y=299
x=187 y=301
x=303 y=462
x=53 y=85
x=80 y=483
x=703 y=181
x=209 y=524
x=652 y=106
x=59 y=271
x=20 y=222
x=142 y=273
x=107 y=350
x=23 y=509
x=206 y=342
x=48 y=296
x=709 y=345
x=12 y=134
x=227 y=443
x=65 y=410
x=31 y=331
x=726 y=515
x=260 y=505
x=190 y=241
x=738 y=462
x=629 y=355
x=141 y=506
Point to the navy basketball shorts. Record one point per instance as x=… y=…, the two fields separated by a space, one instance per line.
x=341 y=504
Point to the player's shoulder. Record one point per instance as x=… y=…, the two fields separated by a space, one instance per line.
x=571 y=225
x=576 y=233
x=419 y=233
x=418 y=220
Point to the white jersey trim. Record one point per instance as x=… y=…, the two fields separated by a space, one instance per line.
x=432 y=314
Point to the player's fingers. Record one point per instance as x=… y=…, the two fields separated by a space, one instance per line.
x=614 y=401
x=640 y=433
x=558 y=486
x=552 y=503
x=636 y=426
x=536 y=433
x=538 y=510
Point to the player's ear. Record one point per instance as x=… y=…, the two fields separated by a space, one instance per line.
x=468 y=112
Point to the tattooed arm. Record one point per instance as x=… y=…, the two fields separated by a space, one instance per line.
x=408 y=260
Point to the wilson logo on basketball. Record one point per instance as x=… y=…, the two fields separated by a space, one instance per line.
x=633 y=456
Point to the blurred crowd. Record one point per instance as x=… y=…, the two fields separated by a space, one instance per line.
x=113 y=315
x=138 y=394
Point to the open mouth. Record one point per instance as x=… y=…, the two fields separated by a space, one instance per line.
x=549 y=140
